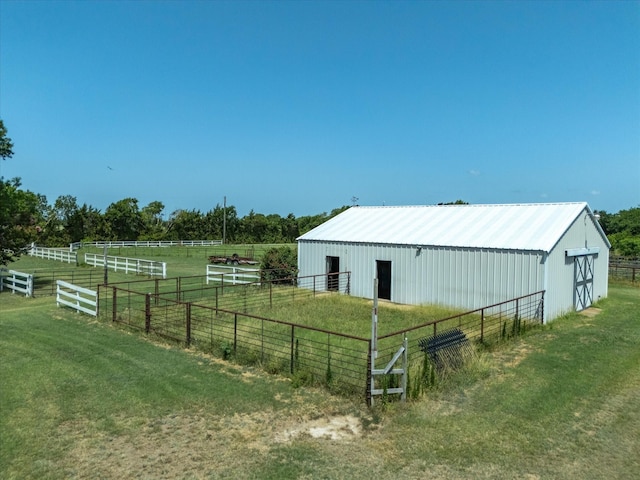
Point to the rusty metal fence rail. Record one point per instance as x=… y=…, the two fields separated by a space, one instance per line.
x=308 y=354
x=245 y=298
x=311 y=355
x=45 y=282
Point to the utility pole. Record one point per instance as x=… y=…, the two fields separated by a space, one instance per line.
x=224 y=221
x=106 y=268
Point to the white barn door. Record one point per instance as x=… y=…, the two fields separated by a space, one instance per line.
x=583 y=281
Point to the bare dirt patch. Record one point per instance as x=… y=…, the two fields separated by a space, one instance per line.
x=342 y=427
x=183 y=445
x=590 y=312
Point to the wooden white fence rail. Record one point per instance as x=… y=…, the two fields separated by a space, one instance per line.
x=16 y=282
x=146 y=243
x=78 y=298
x=60 y=254
x=233 y=275
x=128 y=265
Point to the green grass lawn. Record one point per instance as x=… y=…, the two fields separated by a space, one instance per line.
x=81 y=399
x=181 y=261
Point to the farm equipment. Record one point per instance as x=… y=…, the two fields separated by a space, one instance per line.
x=234 y=259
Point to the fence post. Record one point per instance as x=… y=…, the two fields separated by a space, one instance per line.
x=114 y=304
x=292 y=354
x=367 y=394
x=188 y=314
x=481 y=325
x=405 y=368
x=235 y=332
x=147 y=313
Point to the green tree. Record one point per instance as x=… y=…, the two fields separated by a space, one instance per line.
x=124 y=220
x=6 y=145
x=185 y=225
x=19 y=219
x=20 y=210
x=623 y=231
x=289 y=228
x=259 y=228
x=58 y=228
x=279 y=264
x=153 y=224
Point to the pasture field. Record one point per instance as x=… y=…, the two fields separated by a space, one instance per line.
x=82 y=399
x=181 y=261
x=186 y=261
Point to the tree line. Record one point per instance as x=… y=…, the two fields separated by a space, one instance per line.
x=65 y=222
x=623 y=231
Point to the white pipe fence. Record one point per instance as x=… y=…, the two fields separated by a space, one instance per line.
x=78 y=298
x=16 y=282
x=60 y=254
x=128 y=265
x=146 y=243
x=233 y=275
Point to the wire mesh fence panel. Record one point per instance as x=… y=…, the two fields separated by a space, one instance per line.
x=44 y=282
x=307 y=353
x=485 y=326
x=168 y=319
x=336 y=361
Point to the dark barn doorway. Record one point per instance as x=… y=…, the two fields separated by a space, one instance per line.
x=383 y=268
x=333 y=268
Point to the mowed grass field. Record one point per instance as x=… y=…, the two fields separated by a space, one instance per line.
x=83 y=399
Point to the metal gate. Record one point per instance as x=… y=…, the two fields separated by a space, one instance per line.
x=583 y=275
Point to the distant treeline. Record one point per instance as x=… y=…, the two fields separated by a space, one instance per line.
x=66 y=222
x=623 y=231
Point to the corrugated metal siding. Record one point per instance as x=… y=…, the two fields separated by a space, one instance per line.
x=464 y=278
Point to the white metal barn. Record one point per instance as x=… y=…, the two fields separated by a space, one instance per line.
x=465 y=256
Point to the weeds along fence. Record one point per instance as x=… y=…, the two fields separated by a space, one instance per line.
x=482 y=327
x=308 y=354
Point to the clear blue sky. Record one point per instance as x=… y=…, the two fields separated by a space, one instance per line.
x=296 y=107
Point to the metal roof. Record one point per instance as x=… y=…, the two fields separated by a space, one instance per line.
x=515 y=227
